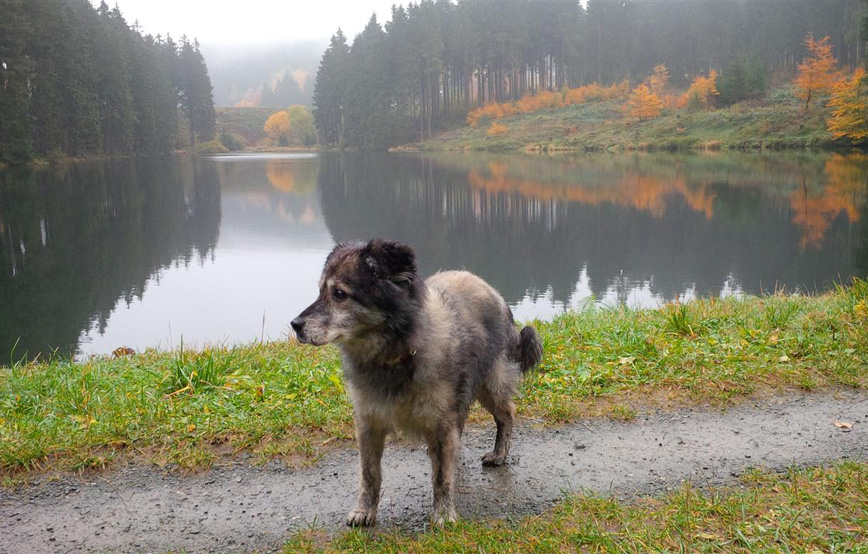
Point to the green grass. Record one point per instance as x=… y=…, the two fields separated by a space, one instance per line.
x=284 y=399
x=776 y=123
x=809 y=510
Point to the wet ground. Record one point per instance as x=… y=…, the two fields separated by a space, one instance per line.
x=242 y=508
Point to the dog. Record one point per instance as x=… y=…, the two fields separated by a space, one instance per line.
x=416 y=354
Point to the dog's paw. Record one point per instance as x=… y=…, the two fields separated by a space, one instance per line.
x=444 y=516
x=362 y=518
x=493 y=459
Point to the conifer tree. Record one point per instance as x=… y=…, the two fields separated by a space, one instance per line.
x=329 y=90
x=15 y=73
x=196 y=94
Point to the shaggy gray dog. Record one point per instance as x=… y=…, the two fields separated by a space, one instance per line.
x=416 y=354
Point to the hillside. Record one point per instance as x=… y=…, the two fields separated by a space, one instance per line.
x=247 y=122
x=774 y=123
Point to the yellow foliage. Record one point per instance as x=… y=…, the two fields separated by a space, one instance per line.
x=849 y=105
x=674 y=101
x=817 y=73
x=703 y=88
x=659 y=79
x=496 y=129
x=277 y=128
x=643 y=104
x=844 y=191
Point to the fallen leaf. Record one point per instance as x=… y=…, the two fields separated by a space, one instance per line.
x=625 y=361
x=843 y=424
x=784 y=358
x=709 y=536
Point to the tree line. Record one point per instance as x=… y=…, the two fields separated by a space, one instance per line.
x=77 y=80
x=437 y=59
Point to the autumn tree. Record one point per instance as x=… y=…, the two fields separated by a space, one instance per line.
x=659 y=79
x=849 y=103
x=277 y=127
x=817 y=72
x=301 y=128
x=703 y=90
x=643 y=104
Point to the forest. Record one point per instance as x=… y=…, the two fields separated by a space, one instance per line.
x=80 y=81
x=435 y=60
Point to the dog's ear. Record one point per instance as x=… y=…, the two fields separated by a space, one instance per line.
x=390 y=260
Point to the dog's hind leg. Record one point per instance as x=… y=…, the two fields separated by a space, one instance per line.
x=371 y=439
x=443 y=450
x=496 y=397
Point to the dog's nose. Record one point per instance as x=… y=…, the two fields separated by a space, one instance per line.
x=297 y=325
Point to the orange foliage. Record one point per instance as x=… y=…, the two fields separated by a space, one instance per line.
x=703 y=88
x=280 y=176
x=674 y=101
x=843 y=192
x=290 y=177
x=546 y=99
x=849 y=105
x=277 y=128
x=643 y=104
x=817 y=72
x=636 y=190
x=496 y=130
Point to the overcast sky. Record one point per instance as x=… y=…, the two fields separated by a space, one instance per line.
x=252 y=21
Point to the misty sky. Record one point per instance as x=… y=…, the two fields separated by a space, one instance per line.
x=252 y=21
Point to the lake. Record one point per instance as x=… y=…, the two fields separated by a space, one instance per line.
x=155 y=251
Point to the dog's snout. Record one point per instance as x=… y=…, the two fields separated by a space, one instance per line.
x=297 y=325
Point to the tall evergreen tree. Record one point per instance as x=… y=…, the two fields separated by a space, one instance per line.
x=78 y=80
x=196 y=93
x=15 y=73
x=329 y=91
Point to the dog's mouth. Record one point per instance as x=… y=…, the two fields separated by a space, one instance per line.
x=304 y=339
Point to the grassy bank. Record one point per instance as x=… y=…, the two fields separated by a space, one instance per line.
x=811 y=510
x=774 y=123
x=191 y=408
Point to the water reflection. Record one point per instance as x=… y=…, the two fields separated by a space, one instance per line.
x=630 y=228
x=228 y=249
x=80 y=239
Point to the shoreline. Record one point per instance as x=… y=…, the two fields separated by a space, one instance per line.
x=287 y=400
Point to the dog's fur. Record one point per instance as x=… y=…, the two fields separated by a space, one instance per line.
x=416 y=354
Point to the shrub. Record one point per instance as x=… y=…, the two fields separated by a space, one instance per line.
x=210 y=147
x=232 y=141
x=496 y=130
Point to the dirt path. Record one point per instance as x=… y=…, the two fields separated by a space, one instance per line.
x=142 y=509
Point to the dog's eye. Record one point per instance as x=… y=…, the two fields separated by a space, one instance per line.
x=340 y=295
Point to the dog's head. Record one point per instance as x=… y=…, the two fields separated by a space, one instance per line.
x=365 y=288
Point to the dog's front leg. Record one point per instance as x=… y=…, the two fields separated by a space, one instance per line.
x=371 y=439
x=443 y=450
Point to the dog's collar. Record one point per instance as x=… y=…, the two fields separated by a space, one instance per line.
x=401 y=359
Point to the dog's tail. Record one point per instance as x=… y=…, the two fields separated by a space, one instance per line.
x=530 y=351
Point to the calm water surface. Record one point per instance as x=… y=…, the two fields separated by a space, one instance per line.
x=149 y=252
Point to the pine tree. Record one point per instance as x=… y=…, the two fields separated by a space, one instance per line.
x=329 y=90
x=15 y=72
x=196 y=93
x=114 y=83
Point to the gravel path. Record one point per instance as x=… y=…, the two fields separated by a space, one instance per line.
x=241 y=508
